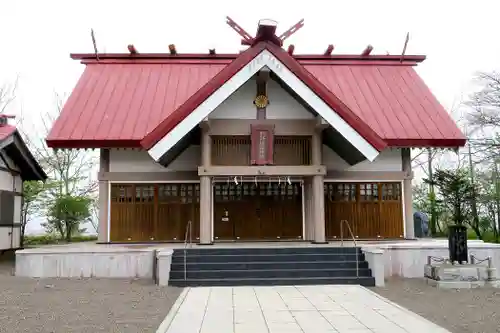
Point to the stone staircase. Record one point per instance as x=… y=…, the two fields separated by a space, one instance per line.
x=269 y=266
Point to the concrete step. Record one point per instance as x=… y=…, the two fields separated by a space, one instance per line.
x=249 y=257
x=270 y=266
x=270 y=273
x=211 y=266
x=364 y=281
x=266 y=250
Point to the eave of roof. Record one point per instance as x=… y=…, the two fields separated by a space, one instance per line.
x=381 y=85
x=11 y=141
x=232 y=56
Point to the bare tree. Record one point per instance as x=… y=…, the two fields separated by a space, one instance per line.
x=7 y=94
x=94 y=218
x=485 y=103
x=69 y=170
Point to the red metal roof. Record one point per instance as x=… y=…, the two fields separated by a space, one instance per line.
x=6 y=131
x=116 y=105
x=394 y=101
x=122 y=98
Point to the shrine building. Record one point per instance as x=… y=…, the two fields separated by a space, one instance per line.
x=260 y=145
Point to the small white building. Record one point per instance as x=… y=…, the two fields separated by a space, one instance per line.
x=17 y=164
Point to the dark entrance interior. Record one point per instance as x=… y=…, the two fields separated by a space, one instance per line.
x=257 y=211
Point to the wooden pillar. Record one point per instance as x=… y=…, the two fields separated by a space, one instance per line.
x=407 y=194
x=103 y=232
x=318 y=194
x=308 y=210
x=205 y=191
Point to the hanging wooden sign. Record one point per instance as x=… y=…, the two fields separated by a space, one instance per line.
x=262 y=141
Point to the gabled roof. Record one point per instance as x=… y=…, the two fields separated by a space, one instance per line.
x=267 y=54
x=13 y=145
x=121 y=99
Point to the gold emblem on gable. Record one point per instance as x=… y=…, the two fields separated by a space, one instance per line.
x=261 y=101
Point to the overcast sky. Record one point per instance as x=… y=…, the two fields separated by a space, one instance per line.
x=459 y=37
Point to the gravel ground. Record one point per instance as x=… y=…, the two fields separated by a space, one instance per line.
x=459 y=310
x=81 y=305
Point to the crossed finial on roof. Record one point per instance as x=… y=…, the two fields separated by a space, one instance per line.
x=265 y=31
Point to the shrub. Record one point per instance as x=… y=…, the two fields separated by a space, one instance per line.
x=53 y=239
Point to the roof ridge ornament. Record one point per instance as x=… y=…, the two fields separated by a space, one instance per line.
x=266 y=31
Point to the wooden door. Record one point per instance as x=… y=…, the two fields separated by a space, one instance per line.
x=280 y=210
x=235 y=211
x=340 y=204
x=391 y=211
x=373 y=210
x=153 y=212
x=250 y=211
x=132 y=213
x=177 y=205
x=247 y=213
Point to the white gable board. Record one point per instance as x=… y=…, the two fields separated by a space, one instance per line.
x=265 y=58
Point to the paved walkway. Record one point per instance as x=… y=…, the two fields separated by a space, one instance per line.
x=290 y=309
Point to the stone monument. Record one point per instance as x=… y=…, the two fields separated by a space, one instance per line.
x=443 y=273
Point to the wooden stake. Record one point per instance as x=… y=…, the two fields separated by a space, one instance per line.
x=132 y=49
x=404 y=47
x=95 y=44
x=367 y=51
x=329 y=49
x=172 y=49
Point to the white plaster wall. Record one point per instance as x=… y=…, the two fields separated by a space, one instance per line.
x=6 y=181
x=387 y=160
x=128 y=160
x=5 y=237
x=240 y=104
x=11 y=183
x=18 y=184
x=18 y=200
x=16 y=237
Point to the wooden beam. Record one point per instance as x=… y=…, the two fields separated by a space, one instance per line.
x=267 y=170
x=172 y=49
x=367 y=51
x=329 y=49
x=247 y=38
x=291 y=48
x=321 y=123
x=367 y=176
x=263 y=75
x=293 y=29
x=205 y=124
x=282 y=127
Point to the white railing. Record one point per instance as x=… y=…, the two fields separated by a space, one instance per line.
x=187 y=236
x=353 y=239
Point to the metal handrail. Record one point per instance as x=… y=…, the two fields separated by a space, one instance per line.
x=353 y=239
x=188 y=233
